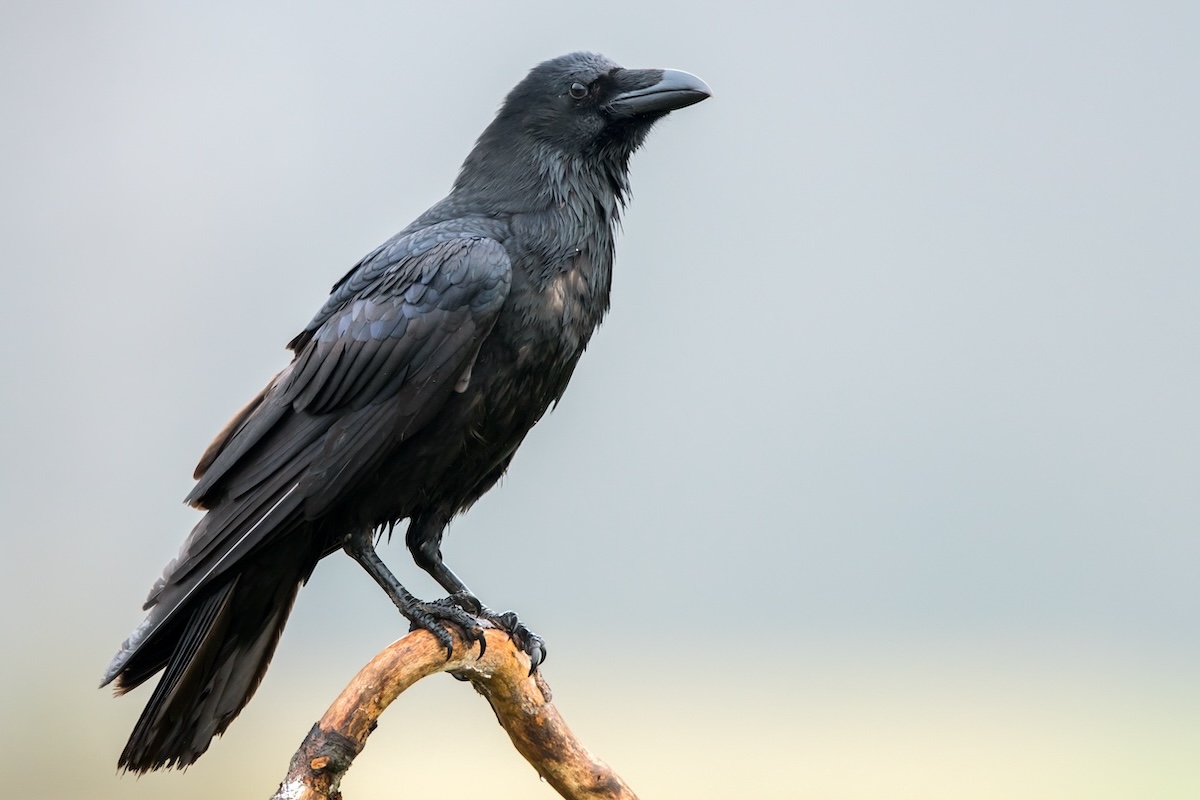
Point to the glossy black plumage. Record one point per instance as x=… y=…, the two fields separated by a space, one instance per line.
x=409 y=393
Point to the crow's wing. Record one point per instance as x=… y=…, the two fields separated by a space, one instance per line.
x=375 y=365
x=409 y=316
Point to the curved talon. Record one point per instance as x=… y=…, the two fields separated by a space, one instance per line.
x=482 y=643
x=537 y=653
x=443 y=636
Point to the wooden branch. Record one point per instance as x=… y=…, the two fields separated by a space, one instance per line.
x=521 y=703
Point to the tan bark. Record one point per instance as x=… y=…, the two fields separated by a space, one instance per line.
x=521 y=703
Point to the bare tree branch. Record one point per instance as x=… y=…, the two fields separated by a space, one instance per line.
x=521 y=703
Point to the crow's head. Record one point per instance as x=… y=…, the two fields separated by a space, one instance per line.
x=582 y=102
x=581 y=107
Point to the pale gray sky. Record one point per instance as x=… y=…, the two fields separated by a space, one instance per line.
x=901 y=368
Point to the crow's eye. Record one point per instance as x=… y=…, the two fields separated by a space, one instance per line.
x=578 y=90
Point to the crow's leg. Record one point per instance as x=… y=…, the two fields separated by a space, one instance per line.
x=424 y=540
x=431 y=616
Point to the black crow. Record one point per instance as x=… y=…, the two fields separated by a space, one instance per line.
x=408 y=394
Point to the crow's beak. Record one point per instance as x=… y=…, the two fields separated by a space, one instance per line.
x=657 y=91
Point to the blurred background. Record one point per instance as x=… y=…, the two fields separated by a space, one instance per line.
x=879 y=481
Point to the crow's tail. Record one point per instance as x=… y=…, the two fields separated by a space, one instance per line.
x=215 y=654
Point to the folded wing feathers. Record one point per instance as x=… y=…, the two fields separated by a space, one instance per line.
x=283 y=457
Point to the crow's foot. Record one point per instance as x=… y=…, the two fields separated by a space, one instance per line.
x=433 y=617
x=526 y=640
x=464 y=610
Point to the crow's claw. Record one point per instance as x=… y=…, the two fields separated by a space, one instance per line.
x=526 y=640
x=434 y=616
x=464 y=611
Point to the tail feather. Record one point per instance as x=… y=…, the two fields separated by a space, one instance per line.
x=220 y=652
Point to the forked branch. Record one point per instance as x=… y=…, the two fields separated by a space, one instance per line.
x=521 y=703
